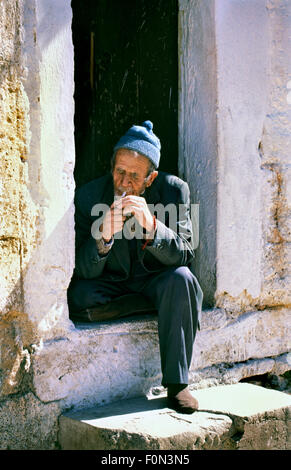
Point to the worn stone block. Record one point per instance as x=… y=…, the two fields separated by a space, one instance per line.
x=10 y=288
x=141 y=424
x=26 y=423
x=99 y=363
x=252 y=335
x=10 y=30
x=240 y=416
x=16 y=345
x=261 y=416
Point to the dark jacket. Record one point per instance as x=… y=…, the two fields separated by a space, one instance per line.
x=169 y=247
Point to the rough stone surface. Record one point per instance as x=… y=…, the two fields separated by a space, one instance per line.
x=90 y=365
x=234 y=147
x=36 y=180
x=14 y=137
x=251 y=335
x=261 y=416
x=242 y=106
x=141 y=424
x=275 y=156
x=17 y=210
x=198 y=128
x=96 y=364
x=26 y=423
x=254 y=139
x=234 y=136
x=238 y=416
x=49 y=84
x=229 y=373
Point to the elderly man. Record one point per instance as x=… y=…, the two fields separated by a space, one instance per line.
x=131 y=248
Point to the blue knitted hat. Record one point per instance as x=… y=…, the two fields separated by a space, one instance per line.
x=142 y=140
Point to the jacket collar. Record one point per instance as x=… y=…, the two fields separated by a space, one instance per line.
x=152 y=194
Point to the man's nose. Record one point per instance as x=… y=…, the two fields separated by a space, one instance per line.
x=126 y=181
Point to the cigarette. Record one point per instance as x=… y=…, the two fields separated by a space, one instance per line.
x=123 y=194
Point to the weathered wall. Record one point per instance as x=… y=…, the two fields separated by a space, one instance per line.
x=235 y=139
x=275 y=153
x=234 y=151
x=198 y=128
x=48 y=57
x=36 y=193
x=242 y=62
x=226 y=350
x=254 y=138
x=18 y=215
x=234 y=147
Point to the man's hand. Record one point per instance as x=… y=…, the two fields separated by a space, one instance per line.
x=120 y=210
x=138 y=207
x=113 y=221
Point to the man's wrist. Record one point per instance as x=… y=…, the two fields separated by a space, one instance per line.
x=104 y=246
x=149 y=236
x=105 y=238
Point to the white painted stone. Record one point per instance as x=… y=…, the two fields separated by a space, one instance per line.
x=48 y=57
x=242 y=399
x=241 y=416
x=252 y=335
x=198 y=128
x=242 y=80
x=233 y=79
x=102 y=363
x=91 y=365
x=142 y=424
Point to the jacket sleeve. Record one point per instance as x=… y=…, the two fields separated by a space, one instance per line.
x=172 y=244
x=88 y=263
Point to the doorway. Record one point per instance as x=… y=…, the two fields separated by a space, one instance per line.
x=126 y=71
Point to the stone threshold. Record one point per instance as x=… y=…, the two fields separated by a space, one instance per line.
x=95 y=364
x=230 y=417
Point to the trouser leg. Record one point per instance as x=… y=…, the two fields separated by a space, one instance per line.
x=87 y=293
x=174 y=295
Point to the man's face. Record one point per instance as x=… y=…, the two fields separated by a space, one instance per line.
x=130 y=173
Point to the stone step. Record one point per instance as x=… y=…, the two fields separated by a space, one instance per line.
x=99 y=363
x=239 y=416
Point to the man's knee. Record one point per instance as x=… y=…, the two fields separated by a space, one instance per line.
x=180 y=276
x=81 y=295
x=175 y=281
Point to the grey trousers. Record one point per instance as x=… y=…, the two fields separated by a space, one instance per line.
x=173 y=292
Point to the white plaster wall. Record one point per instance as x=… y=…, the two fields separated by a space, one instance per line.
x=254 y=137
x=242 y=30
x=48 y=58
x=276 y=159
x=198 y=128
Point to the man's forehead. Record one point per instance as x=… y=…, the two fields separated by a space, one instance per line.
x=130 y=159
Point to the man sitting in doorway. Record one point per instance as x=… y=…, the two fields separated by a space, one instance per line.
x=131 y=250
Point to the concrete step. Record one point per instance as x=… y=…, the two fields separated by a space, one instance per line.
x=240 y=416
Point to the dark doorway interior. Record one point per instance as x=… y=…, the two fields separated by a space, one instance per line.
x=126 y=71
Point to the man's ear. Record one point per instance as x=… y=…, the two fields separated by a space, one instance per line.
x=151 y=178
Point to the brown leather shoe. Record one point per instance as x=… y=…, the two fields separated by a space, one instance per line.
x=181 y=400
